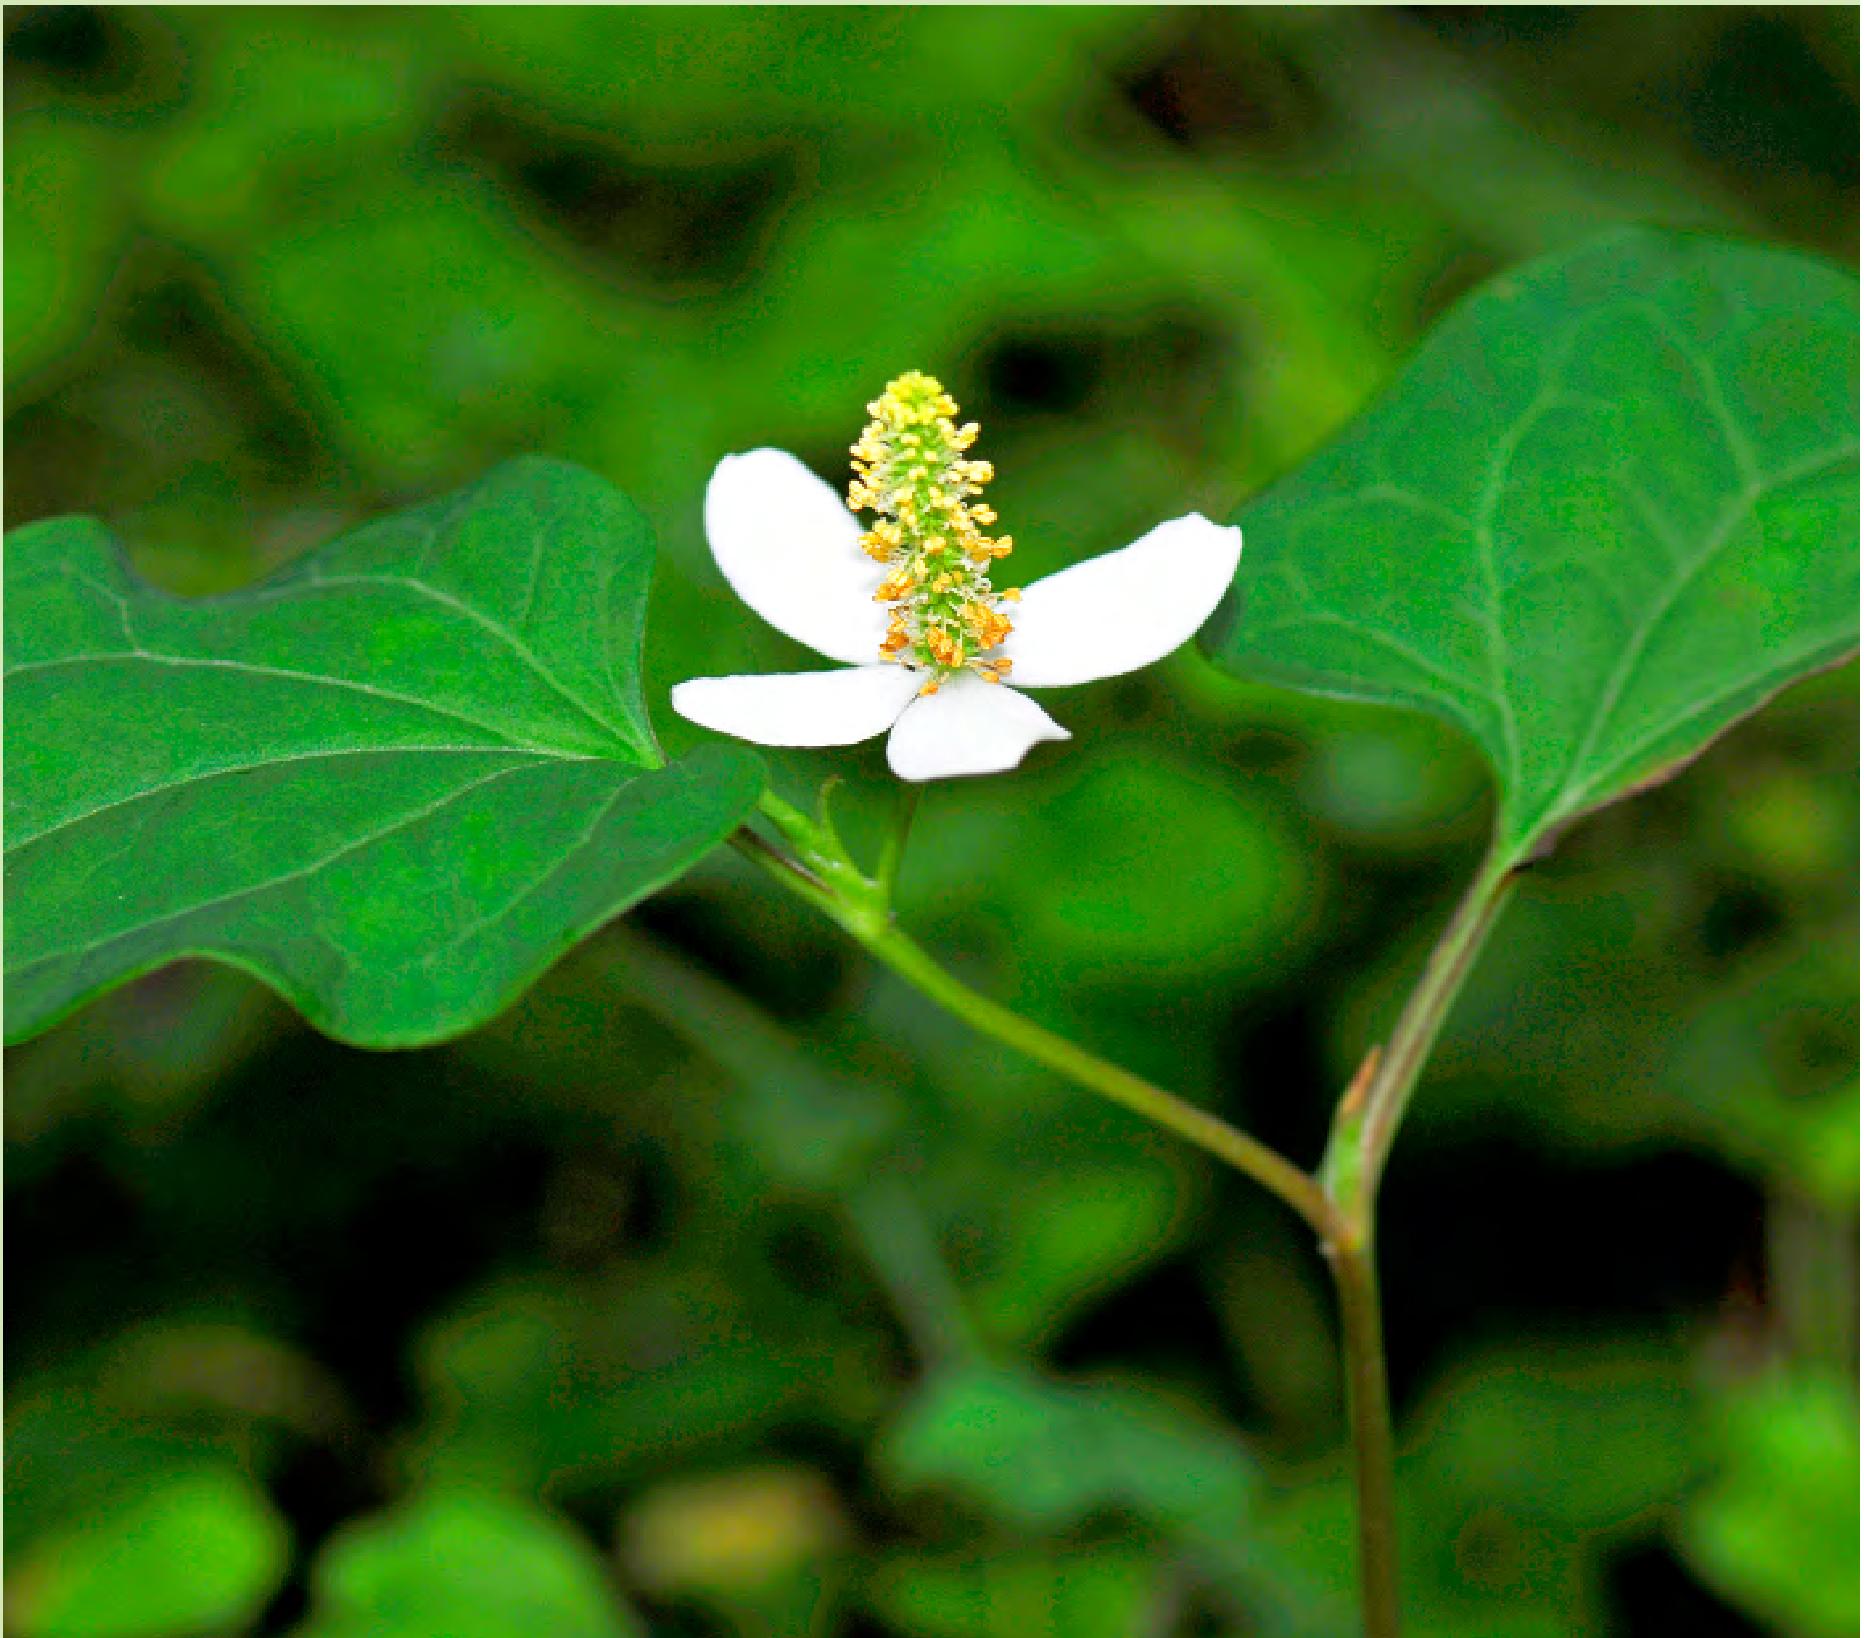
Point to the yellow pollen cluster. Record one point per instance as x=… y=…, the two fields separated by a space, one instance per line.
x=911 y=468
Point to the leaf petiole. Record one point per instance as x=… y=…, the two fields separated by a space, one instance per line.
x=1386 y=1094
x=893 y=849
x=861 y=907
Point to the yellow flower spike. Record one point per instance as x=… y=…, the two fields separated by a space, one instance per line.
x=911 y=467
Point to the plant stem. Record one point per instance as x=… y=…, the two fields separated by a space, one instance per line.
x=1368 y=1407
x=1209 y=1132
x=1338 y=1203
x=874 y=928
x=1364 y=1128
x=1389 y=1093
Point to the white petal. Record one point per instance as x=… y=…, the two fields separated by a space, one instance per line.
x=1124 y=609
x=799 y=707
x=968 y=727
x=787 y=543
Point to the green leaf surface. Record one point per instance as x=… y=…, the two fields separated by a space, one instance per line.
x=394 y=782
x=1609 y=509
x=469 y=1565
x=1100 y=1592
x=565 y=1383
x=1776 y=1529
x=1044 y=1455
x=193 y=1550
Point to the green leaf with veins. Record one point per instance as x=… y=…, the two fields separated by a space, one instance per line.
x=1610 y=508
x=394 y=782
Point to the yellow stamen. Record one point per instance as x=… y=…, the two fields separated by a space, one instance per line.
x=910 y=466
x=946 y=649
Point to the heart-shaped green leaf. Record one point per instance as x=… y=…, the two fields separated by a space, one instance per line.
x=394 y=783
x=1610 y=508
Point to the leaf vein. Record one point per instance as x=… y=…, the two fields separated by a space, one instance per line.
x=1775 y=677
x=1319 y=614
x=253 y=890
x=556 y=865
x=485 y=622
x=16 y=843
x=244 y=667
x=1740 y=505
x=1740 y=446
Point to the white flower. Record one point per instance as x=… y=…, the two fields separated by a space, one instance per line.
x=790 y=549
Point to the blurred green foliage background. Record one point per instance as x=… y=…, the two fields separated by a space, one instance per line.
x=721 y=1288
